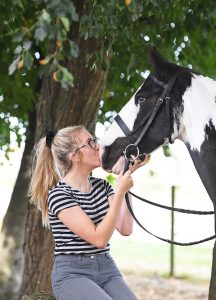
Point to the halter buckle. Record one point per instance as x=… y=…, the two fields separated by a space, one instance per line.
x=127 y=153
x=160 y=101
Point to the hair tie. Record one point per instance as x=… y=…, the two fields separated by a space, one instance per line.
x=49 y=137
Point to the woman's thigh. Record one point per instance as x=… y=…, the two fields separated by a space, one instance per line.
x=73 y=278
x=79 y=289
x=117 y=289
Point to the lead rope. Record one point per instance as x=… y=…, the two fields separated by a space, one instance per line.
x=160 y=238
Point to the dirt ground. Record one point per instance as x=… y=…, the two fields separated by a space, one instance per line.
x=158 y=288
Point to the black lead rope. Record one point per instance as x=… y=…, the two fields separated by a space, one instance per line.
x=160 y=238
x=180 y=210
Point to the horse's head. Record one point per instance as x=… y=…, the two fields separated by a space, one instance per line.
x=151 y=118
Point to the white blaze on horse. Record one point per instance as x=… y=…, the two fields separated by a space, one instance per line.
x=173 y=103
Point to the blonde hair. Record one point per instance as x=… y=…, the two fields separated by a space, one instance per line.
x=50 y=165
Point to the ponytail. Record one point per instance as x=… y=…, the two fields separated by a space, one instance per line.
x=50 y=164
x=44 y=177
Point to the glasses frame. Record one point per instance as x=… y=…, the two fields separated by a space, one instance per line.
x=94 y=140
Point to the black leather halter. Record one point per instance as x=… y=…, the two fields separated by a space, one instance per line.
x=165 y=96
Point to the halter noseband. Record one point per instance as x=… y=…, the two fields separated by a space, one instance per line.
x=167 y=88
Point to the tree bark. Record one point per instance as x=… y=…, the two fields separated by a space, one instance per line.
x=12 y=233
x=56 y=109
x=212 y=287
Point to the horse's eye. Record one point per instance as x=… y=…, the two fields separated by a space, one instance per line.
x=141 y=99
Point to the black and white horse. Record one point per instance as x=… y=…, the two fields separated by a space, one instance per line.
x=184 y=106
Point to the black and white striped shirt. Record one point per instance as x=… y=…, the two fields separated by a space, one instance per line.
x=94 y=203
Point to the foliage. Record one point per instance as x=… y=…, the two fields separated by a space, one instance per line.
x=48 y=31
x=36 y=40
x=111 y=179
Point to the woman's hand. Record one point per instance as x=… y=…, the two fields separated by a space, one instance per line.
x=123 y=183
x=137 y=164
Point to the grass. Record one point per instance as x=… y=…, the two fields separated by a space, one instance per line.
x=193 y=262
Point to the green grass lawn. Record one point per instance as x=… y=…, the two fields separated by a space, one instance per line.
x=193 y=262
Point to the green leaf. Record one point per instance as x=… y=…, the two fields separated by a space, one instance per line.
x=74 y=50
x=71 y=49
x=18 y=49
x=18 y=37
x=13 y=65
x=45 y=16
x=54 y=2
x=74 y=15
x=111 y=179
x=28 y=60
x=27 y=44
x=154 y=2
x=65 y=78
x=40 y=33
x=66 y=23
x=166 y=150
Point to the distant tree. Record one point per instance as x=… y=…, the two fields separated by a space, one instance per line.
x=59 y=54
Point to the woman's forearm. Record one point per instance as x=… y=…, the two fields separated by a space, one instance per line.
x=125 y=220
x=106 y=227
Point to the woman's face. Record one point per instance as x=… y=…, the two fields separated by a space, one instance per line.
x=89 y=150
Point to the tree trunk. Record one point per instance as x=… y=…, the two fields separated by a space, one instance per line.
x=212 y=287
x=56 y=109
x=12 y=234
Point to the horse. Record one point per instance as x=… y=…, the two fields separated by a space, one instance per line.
x=174 y=102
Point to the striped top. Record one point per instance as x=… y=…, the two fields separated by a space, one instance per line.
x=94 y=203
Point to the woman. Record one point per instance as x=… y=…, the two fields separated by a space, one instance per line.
x=83 y=213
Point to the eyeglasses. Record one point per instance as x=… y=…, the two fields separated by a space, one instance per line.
x=92 y=143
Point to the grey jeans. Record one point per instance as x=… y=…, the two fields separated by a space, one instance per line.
x=88 y=277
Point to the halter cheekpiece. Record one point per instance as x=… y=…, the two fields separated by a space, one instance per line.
x=147 y=120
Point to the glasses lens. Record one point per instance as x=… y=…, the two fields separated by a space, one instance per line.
x=93 y=143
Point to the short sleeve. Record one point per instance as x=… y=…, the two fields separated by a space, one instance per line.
x=109 y=189
x=59 y=199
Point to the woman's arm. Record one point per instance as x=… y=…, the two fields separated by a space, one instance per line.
x=124 y=223
x=80 y=223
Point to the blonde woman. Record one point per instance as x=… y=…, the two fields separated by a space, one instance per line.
x=83 y=212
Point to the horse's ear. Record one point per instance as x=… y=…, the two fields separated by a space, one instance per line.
x=159 y=63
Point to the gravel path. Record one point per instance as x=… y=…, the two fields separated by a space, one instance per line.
x=159 y=288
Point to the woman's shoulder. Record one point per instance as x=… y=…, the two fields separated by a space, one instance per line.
x=96 y=180
x=60 y=187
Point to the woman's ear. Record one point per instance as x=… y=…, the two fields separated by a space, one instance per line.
x=74 y=157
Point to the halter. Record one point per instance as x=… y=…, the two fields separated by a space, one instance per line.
x=167 y=88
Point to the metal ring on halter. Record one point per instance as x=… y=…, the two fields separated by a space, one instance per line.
x=125 y=152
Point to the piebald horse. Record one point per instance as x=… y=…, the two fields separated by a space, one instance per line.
x=174 y=102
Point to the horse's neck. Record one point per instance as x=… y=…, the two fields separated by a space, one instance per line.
x=199 y=108
x=205 y=164
x=199 y=134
